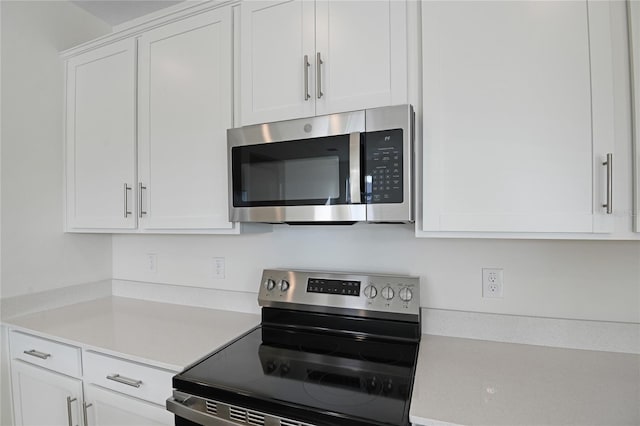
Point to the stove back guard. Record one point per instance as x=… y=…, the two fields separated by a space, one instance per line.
x=339 y=303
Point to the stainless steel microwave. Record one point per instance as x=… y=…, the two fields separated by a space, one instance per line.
x=339 y=168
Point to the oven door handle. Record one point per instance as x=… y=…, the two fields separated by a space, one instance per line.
x=354 y=168
x=185 y=410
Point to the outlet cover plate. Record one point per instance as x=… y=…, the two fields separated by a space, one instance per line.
x=492 y=283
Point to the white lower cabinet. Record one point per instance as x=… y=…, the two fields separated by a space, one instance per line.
x=131 y=378
x=44 y=398
x=108 y=408
x=117 y=391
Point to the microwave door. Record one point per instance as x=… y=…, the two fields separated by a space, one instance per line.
x=311 y=180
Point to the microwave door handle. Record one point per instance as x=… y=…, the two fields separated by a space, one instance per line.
x=354 y=167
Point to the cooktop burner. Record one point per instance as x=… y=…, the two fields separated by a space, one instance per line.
x=307 y=366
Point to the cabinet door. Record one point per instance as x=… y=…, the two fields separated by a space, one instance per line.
x=634 y=45
x=100 y=138
x=108 y=408
x=275 y=37
x=185 y=108
x=363 y=61
x=42 y=397
x=511 y=140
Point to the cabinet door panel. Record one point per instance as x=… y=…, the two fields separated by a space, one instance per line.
x=113 y=409
x=507 y=117
x=100 y=137
x=40 y=396
x=364 y=60
x=634 y=45
x=185 y=108
x=275 y=37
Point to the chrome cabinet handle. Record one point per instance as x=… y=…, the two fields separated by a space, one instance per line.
x=140 y=199
x=126 y=200
x=319 y=75
x=306 y=78
x=37 y=354
x=84 y=413
x=125 y=380
x=609 y=164
x=69 y=414
x=354 y=167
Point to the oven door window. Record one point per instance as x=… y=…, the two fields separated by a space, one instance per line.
x=292 y=173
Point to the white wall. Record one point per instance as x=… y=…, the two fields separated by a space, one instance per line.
x=594 y=280
x=36 y=255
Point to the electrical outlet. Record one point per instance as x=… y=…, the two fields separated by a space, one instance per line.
x=492 y=283
x=218 y=268
x=152 y=262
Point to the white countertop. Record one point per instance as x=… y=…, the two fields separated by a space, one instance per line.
x=161 y=334
x=476 y=382
x=458 y=381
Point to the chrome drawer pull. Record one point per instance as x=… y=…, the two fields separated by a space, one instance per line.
x=127 y=212
x=84 y=412
x=125 y=380
x=306 y=77
x=37 y=354
x=69 y=414
x=141 y=188
x=609 y=165
x=319 y=63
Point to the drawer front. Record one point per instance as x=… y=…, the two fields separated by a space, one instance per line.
x=46 y=353
x=131 y=378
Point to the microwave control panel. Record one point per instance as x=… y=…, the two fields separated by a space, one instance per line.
x=383 y=167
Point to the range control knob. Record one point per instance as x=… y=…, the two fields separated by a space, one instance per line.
x=388 y=293
x=269 y=284
x=406 y=294
x=271 y=366
x=370 y=291
x=372 y=384
x=283 y=285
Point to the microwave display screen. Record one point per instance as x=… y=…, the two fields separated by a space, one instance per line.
x=294 y=179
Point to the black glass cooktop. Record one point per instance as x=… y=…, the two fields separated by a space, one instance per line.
x=316 y=377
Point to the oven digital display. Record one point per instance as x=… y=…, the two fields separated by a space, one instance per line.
x=321 y=285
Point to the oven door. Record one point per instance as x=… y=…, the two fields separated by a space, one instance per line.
x=305 y=170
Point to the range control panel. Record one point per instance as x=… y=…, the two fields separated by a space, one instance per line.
x=354 y=291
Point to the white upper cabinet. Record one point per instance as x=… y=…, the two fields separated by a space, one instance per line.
x=634 y=42
x=363 y=62
x=146 y=129
x=185 y=107
x=275 y=39
x=101 y=138
x=517 y=116
x=302 y=58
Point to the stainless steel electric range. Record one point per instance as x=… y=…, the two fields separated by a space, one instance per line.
x=332 y=349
